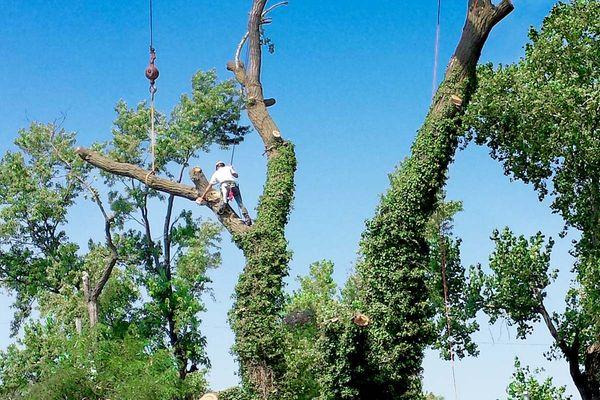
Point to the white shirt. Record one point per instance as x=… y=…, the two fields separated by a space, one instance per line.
x=223 y=174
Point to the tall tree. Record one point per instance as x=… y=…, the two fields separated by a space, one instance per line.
x=392 y=273
x=39 y=184
x=540 y=117
x=39 y=263
x=525 y=385
x=259 y=296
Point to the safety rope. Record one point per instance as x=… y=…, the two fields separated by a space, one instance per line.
x=232 y=154
x=152 y=75
x=447 y=310
x=152 y=130
x=436 y=50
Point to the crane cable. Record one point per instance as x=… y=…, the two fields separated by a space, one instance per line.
x=447 y=309
x=436 y=50
x=152 y=74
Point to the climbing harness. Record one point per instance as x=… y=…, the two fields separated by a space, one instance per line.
x=152 y=75
x=230 y=193
x=436 y=50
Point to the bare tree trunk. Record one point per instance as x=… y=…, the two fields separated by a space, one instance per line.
x=90 y=304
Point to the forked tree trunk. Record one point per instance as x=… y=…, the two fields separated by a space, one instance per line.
x=90 y=304
x=92 y=295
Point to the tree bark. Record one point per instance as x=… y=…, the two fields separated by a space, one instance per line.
x=90 y=304
x=592 y=369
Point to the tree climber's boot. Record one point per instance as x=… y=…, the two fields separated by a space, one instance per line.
x=222 y=206
x=247 y=219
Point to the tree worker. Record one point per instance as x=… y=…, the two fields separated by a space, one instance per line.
x=226 y=177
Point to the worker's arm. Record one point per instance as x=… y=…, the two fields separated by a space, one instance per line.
x=233 y=171
x=209 y=187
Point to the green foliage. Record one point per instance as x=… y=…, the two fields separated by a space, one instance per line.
x=455 y=321
x=37 y=189
x=235 y=393
x=525 y=386
x=521 y=272
x=172 y=271
x=209 y=115
x=306 y=311
x=52 y=363
x=149 y=342
x=346 y=372
x=540 y=118
x=259 y=300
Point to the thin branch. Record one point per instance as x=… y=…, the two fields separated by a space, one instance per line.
x=240 y=46
x=238 y=51
x=274 y=6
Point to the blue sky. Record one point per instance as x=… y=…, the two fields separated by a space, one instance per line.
x=353 y=83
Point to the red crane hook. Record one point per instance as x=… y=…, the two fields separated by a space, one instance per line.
x=151 y=70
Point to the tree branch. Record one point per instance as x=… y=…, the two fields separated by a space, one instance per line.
x=571 y=353
x=110 y=264
x=228 y=218
x=249 y=77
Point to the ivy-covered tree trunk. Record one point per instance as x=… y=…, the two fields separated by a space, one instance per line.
x=256 y=315
x=392 y=273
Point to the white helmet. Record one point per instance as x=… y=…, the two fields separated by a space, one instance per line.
x=218 y=164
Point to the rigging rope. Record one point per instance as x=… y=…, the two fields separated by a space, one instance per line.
x=232 y=154
x=152 y=74
x=447 y=309
x=437 y=49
